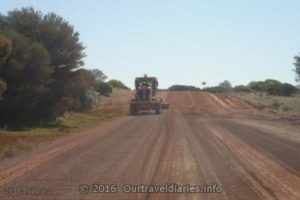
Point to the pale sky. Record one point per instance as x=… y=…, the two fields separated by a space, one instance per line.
x=182 y=41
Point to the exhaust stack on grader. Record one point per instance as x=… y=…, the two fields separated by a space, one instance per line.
x=146 y=96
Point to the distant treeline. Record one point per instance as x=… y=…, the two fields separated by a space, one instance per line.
x=183 y=88
x=40 y=74
x=269 y=86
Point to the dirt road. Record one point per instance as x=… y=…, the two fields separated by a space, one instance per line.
x=204 y=140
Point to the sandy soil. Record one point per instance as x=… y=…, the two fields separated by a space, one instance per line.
x=203 y=139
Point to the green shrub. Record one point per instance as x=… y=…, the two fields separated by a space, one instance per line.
x=117 y=84
x=90 y=100
x=242 y=88
x=273 y=87
x=103 y=88
x=217 y=89
x=287 y=89
x=275 y=104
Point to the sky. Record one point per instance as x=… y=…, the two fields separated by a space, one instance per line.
x=183 y=41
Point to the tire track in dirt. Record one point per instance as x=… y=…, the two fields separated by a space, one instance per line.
x=282 y=150
x=18 y=170
x=268 y=177
x=219 y=163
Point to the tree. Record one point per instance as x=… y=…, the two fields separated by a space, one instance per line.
x=287 y=89
x=75 y=90
x=272 y=87
x=297 y=67
x=56 y=34
x=5 y=51
x=27 y=73
x=183 y=88
x=42 y=77
x=5 y=48
x=99 y=75
x=242 y=88
x=117 y=84
x=225 y=84
x=83 y=82
x=64 y=48
x=103 y=88
x=257 y=86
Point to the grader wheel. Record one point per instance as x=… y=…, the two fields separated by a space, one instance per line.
x=133 y=110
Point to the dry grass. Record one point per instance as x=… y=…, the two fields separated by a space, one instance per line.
x=15 y=142
x=279 y=103
x=117 y=98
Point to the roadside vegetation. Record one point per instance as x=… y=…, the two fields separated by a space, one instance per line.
x=287 y=104
x=15 y=142
x=45 y=89
x=269 y=94
x=41 y=74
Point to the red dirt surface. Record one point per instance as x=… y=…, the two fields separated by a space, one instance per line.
x=198 y=141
